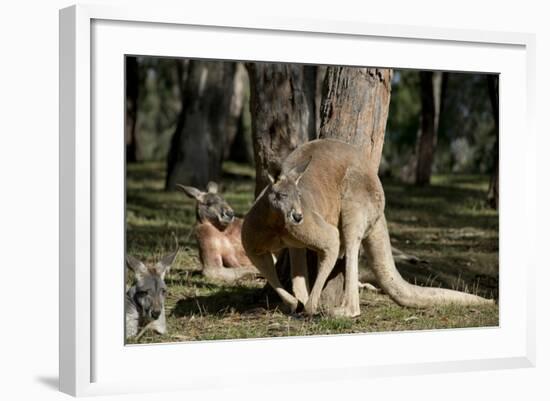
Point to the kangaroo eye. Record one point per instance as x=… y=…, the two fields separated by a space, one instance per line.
x=281 y=195
x=142 y=294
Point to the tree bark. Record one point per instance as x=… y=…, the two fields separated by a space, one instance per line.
x=132 y=93
x=354 y=108
x=430 y=91
x=492 y=196
x=281 y=114
x=200 y=139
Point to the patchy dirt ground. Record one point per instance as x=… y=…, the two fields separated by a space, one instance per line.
x=447 y=225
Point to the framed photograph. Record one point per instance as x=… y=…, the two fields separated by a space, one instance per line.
x=267 y=197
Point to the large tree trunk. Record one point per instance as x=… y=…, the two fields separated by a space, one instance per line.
x=430 y=93
x=201 y=136
x=354 y=109
x=281 y=114
x=132 y=93
x=492 y=197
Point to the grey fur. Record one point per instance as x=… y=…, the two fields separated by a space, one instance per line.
x=144 y=302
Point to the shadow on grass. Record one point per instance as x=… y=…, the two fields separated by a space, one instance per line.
x=225 y=300
x=447 y=275
x=443 y=206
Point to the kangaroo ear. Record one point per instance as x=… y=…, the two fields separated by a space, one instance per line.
x=274 y=170
x=135 y=265
x=166 y=262
x=212 y=187
x=298 y=171
x=191 y=192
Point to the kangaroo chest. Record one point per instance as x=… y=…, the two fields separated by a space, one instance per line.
x=224 y=243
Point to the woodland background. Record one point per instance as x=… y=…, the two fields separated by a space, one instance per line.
x=439 y=122
x=432 y=135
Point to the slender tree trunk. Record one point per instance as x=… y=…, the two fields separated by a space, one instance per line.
x=492 y=196
x=132 y=93
x=430 y=90
x=236 y=107
x=195 y=155
x=281 y=114
x=241 y=149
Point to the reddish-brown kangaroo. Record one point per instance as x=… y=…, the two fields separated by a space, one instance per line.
x=329 y=199
x=218 y=235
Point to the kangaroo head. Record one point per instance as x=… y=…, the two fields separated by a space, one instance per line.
x=210 y=205
x=149 y=289
x=284 y=194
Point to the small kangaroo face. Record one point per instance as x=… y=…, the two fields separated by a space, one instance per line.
x=210 y=205
x=284 y=194
x=149 y=295
x=149 y=289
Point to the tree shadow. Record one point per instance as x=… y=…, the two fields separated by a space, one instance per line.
x=226 y=300
x=449 y=275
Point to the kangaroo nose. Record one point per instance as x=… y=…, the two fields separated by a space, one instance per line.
x=155 y=314
x=297 y=217
x=229 y=213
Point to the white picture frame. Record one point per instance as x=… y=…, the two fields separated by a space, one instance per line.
x=93 y=357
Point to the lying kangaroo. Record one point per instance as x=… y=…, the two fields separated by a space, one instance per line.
x=144 y=303
x=329 y=199
x=218 y=235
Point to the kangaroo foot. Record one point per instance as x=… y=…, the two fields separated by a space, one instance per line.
x=344 y=311
x=311 y=308
x=369 y=287
x=291 y=306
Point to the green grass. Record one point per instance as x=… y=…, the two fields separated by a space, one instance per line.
x=447 y=224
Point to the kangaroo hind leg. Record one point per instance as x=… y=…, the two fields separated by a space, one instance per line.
x=354 y=224
x=299 y=274
x=323 y=238
x=357 y=212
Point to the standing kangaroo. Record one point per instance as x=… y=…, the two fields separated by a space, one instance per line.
x=329 y=199
x=218 y=235
x=144 y=303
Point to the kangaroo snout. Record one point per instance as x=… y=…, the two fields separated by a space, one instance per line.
x=296 y=217
x=155 y=314
x=229 y=214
